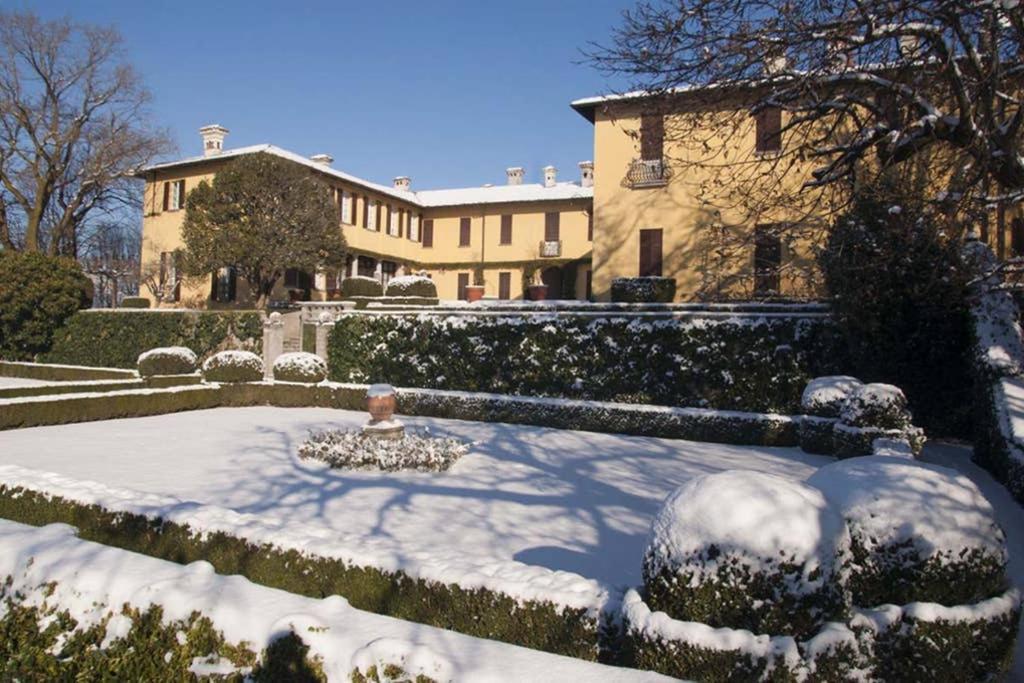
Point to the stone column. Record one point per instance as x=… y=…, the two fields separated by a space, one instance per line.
x=324 y=325
x=273 y=342
x=355 y=266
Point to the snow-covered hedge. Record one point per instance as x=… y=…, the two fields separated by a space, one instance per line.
x=743 y=362
x=997 y=364
x=871 y=412
x=171 y=360
x=747 y=550
x=411 y=285
x=826 y=396
x=361 y=285
x=351 y=449
x=300 y=366
x=919 y=532
x=233 y=366
x=643 y=290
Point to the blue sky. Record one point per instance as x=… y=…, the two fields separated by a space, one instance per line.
x=449 y=93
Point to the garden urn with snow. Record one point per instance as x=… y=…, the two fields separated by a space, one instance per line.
x=380 y=403
x=537 y=292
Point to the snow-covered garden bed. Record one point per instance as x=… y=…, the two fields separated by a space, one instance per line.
x=352 y=449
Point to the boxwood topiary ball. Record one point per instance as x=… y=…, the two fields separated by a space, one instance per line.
x=169 y=360
x=302 y=367
x=918 y=532
x=412 y=285
x=360 y=285
x=876 y=405
x=233 y=366
x=747 y=550
x=826 y=396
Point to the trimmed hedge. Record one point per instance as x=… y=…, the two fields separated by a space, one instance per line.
x=135 y=302
x=115 y=339
x=233 y=366
x=476 y=612
x=174 y=360
x=40 y=643
x=670 y=423
x=643 y=290
x=750 y=363
x=360 y=285
x=412 y=285
x=72 y=388
x=63 y=373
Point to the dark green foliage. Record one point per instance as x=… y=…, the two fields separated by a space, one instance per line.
x=391 y=672
x=816 y=434
x=992 y=449
x=114 y=339
x=690 y=662
x=59 y=373
x=476 y=611
x=287 y=661
x=361 y=286
x=165 y=362
x=363 y=302
x=135 y=302
x=756 y=364
x=896 y=574
x=37 y=294
x=740 y=597
x=640 y=290
x=957 y=652
x=898 y=288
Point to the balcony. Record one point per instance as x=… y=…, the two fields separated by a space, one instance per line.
x=647 y=173
x=550 y=249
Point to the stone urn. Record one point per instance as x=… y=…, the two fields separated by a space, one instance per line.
x=537 y=292
x=380 y=403
x=474 y=292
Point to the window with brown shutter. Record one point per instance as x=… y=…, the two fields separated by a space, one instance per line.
x=552 y=225
x=650 y=252
x=463 y=283
x=768 y=124
x=167 y=195
x=506 y=229
x=767 y=260
x=504 y=285
x=376 y=218
x=428 y=232
x=590 y=226
x=590 y=285
x=464 y=231
x=366 y=212
x=652 y=137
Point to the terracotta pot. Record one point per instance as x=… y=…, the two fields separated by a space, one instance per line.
x=474 y=292
x=537 y=292
x=381 y=408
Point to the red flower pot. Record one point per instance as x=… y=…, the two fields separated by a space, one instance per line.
x=474 y=292
x=537 y=292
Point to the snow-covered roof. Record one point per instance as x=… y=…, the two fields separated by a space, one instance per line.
x=495 y=194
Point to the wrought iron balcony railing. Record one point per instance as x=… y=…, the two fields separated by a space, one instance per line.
x=647 y=173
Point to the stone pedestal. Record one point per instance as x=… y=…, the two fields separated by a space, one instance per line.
x=324 y=325
x=389 y=430
x=273 y=341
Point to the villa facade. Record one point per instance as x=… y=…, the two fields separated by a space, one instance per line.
x=627 y=213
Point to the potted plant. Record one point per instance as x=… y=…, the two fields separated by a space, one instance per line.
x=475 y=291
x=536 y=290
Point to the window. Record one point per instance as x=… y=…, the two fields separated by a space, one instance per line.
x=650 y=253
x=767 y=260
x=414 y=227
x=387 y=271
x=428 y=232
x=225 y=285
x=375 y=215
x=504 y=285
x=347 y=202
x=652 y=137
x=366 y=266
x=296 y=278
x=355 y=210
x=506 y=229
x=552 y=224
x=170 y=283
x=174 y=195
x=463 y=283
x=464 y=231
x=392 y=221
x=768 y=134
x=1017 y=236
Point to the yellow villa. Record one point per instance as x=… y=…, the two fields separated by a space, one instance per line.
x=633 y=211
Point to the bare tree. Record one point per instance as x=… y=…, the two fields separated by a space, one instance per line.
x=110 y=255
x=866 y=85
x=74 y=125
x=162 y=277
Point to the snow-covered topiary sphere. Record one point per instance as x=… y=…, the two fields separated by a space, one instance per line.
x=747 y=550
x=233 y=366
x=825 y=396
x=876 y=405
x=412 y=285
x=300 y=367
x=918 y=532
x=169 y=360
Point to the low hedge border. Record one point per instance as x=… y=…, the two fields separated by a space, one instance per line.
x=694 y=424
x=916 y=642
x=101 y=386
x=62 y=373
x=477 y=612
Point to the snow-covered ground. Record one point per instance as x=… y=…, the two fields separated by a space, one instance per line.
x=91 y=578
x=579 y=502
x=12 y=382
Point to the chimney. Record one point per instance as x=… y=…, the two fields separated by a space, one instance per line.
x=213 y=139
x=515 y=175
x=550 y=176
x=402 y=182
x=586 y=173
x=322 y=159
